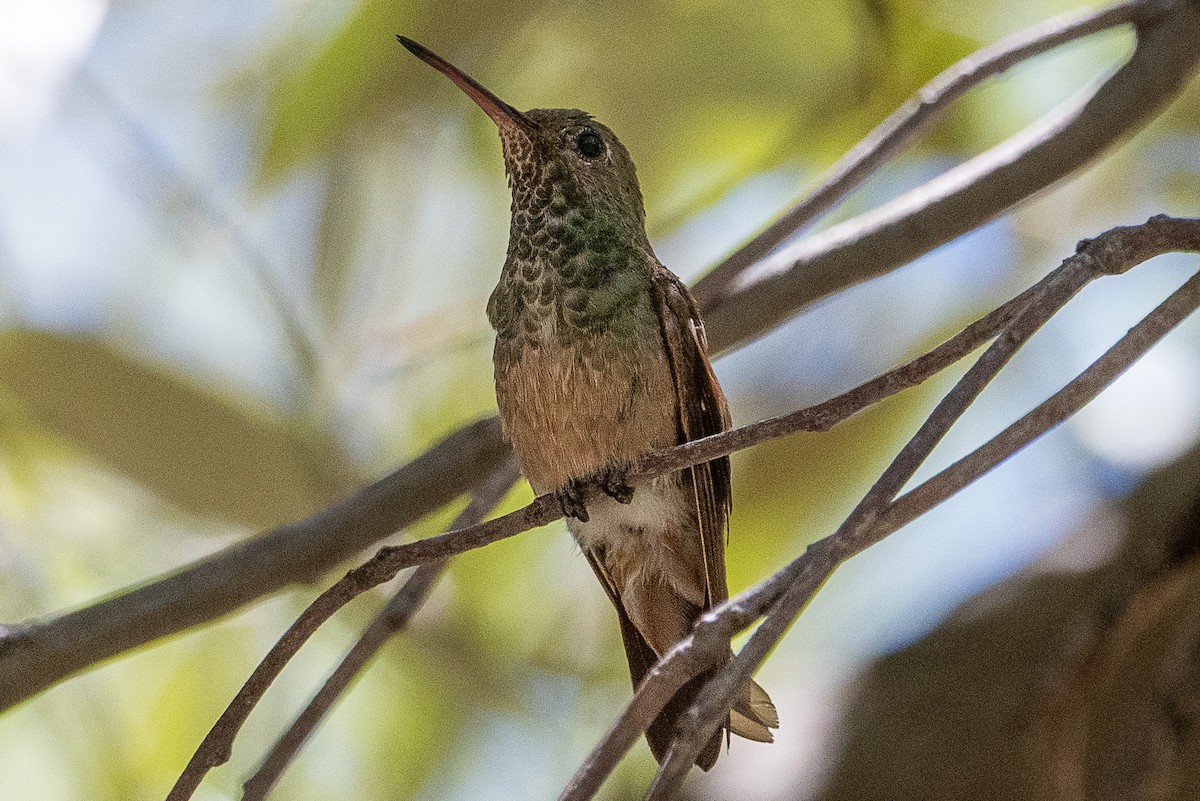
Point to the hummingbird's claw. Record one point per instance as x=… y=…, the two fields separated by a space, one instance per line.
x=570 y=499
x=615 y=485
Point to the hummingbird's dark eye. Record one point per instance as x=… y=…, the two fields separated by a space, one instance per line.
x=590 y=144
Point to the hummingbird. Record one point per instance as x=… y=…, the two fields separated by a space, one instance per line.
x=601 y=358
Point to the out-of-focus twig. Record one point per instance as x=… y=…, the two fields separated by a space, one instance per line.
x=1165 y=59
x=391 y=620
x=920 y=113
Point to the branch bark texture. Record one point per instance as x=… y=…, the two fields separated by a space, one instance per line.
x=40 y=654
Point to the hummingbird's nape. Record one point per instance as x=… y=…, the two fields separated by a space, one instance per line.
x=501 y=113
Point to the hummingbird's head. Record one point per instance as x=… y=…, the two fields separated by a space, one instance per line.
x=570 y=155
x=557 y=160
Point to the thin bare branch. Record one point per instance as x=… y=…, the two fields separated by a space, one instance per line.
x=781 y=601
x=217 y=745
x=678 y=666
x=825 y=415
x=1112 y=252
x=1073 y=397
x=1053 y=295
x=391 y=620
x=34 y=644
x=215 y=749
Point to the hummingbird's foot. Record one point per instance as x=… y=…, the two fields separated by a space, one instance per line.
x=613 y=482
x=570 y=499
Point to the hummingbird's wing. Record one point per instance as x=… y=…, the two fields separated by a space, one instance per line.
x=640 y=655
x=701 y=411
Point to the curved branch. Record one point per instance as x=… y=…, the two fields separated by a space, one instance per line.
x=216 y=747
x=874 y=243
x=1097 y=257
x=903 y=126
x=40 y=654
x=391 y=620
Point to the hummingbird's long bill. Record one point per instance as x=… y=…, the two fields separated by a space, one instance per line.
x=501 y=113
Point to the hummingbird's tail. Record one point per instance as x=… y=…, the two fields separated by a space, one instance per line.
x=753 y=715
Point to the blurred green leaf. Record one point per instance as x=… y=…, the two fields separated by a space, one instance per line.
x=198 y=451
x=309 y=110
x=361 y=67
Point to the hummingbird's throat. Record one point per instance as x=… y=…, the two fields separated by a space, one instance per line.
x=575 y=274
x=578 y=266
x=520 y=160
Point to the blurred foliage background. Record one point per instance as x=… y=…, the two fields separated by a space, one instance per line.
x=244 y=253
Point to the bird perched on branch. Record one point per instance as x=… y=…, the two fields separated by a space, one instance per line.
x=600 y=358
